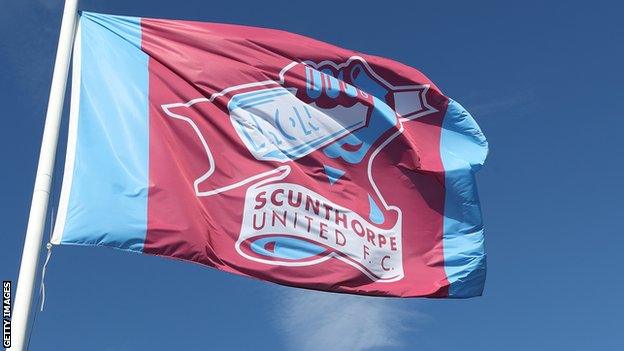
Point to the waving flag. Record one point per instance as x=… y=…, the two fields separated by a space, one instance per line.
x=272 y=155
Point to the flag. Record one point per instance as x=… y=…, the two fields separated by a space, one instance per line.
x=271 y=155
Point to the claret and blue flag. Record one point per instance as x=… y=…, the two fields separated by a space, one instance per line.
x=271 y=155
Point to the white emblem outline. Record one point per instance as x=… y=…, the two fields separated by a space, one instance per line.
x=427 y=109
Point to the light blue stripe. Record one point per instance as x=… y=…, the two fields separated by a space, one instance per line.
x=108 y=199
x=463 y=149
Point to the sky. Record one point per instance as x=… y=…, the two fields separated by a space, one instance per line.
x=543 y=80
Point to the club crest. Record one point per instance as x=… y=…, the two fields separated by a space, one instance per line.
x=318 y=127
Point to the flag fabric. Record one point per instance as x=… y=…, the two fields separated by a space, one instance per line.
x=271 y=155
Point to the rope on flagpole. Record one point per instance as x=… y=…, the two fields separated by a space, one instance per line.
x=42 y=290
x=43 y=272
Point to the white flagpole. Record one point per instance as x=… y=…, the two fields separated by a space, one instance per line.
x=43 y=181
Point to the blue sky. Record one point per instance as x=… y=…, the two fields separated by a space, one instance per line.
x=544 y=81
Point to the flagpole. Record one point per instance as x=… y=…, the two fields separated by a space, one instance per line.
x=43 y=180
